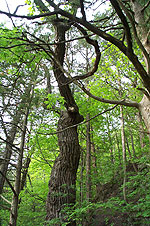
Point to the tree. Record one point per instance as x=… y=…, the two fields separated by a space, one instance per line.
x=126 y=32
x=63 y=175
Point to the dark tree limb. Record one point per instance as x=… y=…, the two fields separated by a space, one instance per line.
x=94 y=43
x=10 y=185
x=146 y=5
x=82 y=10
x=103 y=100
x=132 y=22
x=124 y=22
x=131 y=56
x=29 y=17
x=41 y=6
x=81 y=123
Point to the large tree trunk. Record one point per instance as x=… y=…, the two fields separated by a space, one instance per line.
x=143 y=32
x=142 y=28
x=62 y=191
x=144 y=108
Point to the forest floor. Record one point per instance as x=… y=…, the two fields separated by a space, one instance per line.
x=111 y=216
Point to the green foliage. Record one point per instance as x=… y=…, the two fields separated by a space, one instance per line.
x=54 y=100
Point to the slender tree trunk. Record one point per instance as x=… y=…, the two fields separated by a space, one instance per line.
x=88 y=160
x=133 y=164
x=94 y=159
x=133 y=149
x=123 y=153
x=88 y=167
x=15 y=199
x=17 y=185
x=8 y=150
x=26 y=163
x=128 y=148
x=117 y=141
x=110 y=142
x=81 y=177
x=25 y=172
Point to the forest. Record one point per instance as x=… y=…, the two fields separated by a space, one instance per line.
x=75 y=113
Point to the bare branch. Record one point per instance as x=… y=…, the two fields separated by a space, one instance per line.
x=118 y=43
x=146 y=5
x=10 y=185
x=10 y=16
x=5 y=199
x=18 y=149
x=29 y=17
x=97 y=51
x=124 y=22
x=103 y=100
x=18 y=8
x=5 y=207
x=60 y=131
x=82 y=10
x=145 y=92
x=134 y=31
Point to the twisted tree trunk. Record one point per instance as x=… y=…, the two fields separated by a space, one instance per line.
x=62 y=191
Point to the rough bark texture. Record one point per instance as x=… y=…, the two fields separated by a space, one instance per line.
x=62 y=191
x=142 y=29
x=144 y=35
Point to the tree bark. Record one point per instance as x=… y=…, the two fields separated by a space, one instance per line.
x=144 y=108
x=62 y=191
x=142 y=29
